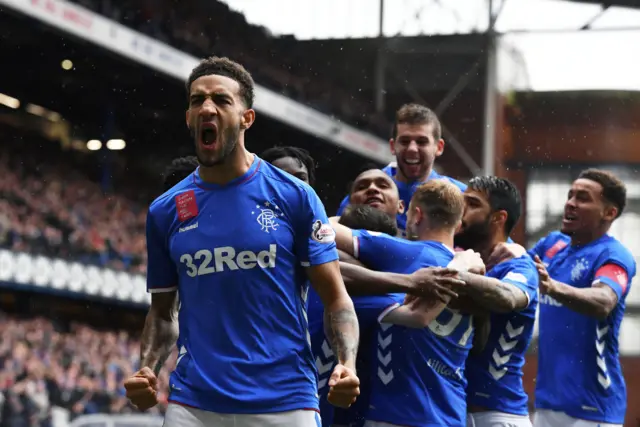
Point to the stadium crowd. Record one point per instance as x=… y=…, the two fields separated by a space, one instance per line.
x=48 y=209
x=46 y=363
x=204 y=27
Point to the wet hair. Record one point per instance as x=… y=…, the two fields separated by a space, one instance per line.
x=364 y=217
x=179 y=169
x=613 y=189
x=416 y=114
x=272 y=154
x=502 y=196
x=218 y=66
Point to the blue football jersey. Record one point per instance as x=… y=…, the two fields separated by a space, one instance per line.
x=579 y=370
x=418 y=374
x=237 y=254
x=495 y=376
x=406 y=191
x=383 y=253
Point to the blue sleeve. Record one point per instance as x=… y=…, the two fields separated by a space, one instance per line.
x=343 y=204
x=370 y=309
x=538 y=248
x=315 y=238
x=616 y=270
x=524 y=276
x=162 y=274
x=382 y=252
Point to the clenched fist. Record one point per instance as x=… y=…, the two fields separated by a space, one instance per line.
x=344 y=387
x=142 y=389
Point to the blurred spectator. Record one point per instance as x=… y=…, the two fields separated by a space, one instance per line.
x=52 y=211
x=80 y=370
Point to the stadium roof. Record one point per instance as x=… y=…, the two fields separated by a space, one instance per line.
x=536 y=33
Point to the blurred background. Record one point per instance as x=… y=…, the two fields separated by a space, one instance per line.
x=92 y=109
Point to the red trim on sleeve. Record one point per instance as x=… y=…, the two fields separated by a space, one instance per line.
x=614 y=272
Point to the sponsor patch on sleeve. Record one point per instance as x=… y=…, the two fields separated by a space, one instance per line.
x=323 y=233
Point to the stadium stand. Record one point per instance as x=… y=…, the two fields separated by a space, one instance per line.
x=203 y=27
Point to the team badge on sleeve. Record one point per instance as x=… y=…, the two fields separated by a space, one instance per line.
x=322 y=233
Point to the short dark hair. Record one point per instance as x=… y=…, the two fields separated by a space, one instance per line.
x=364 y=217
x=179 y=169
x=442 y=202
x=613 y=189
x=275 y=153
x=502 y=195
x=416 y=114
x=218 y=66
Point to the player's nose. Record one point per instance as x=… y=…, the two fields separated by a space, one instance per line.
x=208 y=108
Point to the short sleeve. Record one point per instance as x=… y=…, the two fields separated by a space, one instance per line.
x=372 y=308
x=343 y=205
x=162 y=274
x=615 y=268
x=315 y=238
x=538 y=248
x=615 y=276
x=524 y=276
x=383 y=252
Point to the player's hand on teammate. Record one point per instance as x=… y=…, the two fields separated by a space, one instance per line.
x=546 y=283
x=142 y=389
x=344 y=387
x=468 y=261
x=504 y=252
x=437 y=282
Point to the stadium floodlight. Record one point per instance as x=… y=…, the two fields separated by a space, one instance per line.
x=116 y=144
x=9 y=101
x=94 y=145
x=66 y=65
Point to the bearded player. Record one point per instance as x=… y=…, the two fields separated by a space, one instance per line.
x=244 y=358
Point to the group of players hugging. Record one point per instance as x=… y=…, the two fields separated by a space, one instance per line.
x=411 y=307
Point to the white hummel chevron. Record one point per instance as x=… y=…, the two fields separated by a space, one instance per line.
x=181 y=354
x=385 y=326
x=506 y=345
x=326 y=350
x=500 y=360
x=604 y=381
x=602 y=332
x=385 y=377
x=600 y=347
x=323 y=368
x=384 y=342
x=601 y=364
x=497 y=373
x=322 y=383
x=514 y=332
x=384 y=359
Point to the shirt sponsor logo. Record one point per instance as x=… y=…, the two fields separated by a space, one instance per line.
x=225 y=258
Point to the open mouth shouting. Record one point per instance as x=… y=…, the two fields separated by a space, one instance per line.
x=208 y=136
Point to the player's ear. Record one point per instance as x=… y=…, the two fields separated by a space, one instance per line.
x=400 y=207
x=392 y=146
x=439 y=147
x=247 y=119
x=499 y=218
x=610 y=212
x=458 y=226
x=186 y=118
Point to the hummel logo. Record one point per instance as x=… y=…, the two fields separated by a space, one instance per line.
x=187 y=228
